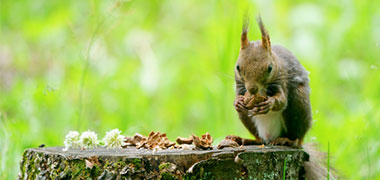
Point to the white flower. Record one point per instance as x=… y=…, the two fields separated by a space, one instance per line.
x=113 y=139
x=88 y=139
x=71 y=140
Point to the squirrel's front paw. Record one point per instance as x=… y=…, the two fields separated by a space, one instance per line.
x=239 y=105
x=263 y=107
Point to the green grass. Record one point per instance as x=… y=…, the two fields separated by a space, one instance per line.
x=284 y=172
x=167 y=65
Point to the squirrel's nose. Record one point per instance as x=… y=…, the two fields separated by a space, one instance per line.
x=252 y=89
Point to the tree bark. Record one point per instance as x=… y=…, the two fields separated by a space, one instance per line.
x=248 y=162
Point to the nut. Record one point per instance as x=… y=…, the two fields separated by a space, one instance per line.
x=181 y=140
x=227 y=143
x=204 y=142
x=154 y=141
x=135 y=140
x=251 y=100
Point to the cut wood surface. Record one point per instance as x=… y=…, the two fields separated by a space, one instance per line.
x=248 y=162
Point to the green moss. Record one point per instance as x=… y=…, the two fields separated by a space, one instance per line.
x=137 y=163
x=31 y=165
x=78 y=169
x=168 y=171
x=106 y=164
x=23 y=161
x=207 y=175
x=199 y=175
x=163 y=166
x=168 y=176
x=118 y=165
x=96 y=171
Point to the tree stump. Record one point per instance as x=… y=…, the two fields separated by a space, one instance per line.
x=248 y=162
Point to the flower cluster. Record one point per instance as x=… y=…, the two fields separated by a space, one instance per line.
x=71 y=140
x=89 y=140
x=113 y=139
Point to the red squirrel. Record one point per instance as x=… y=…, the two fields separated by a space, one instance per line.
x=273 y=72
x=273 y=98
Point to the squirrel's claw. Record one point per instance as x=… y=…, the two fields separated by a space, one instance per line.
x=252 y=112
x=257 y=111
x=263 y=107
x=239 y=105
x=285 y=142
x=263 y=103
x=240 y=108
x=263 y=111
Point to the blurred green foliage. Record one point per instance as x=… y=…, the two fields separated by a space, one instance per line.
x=167 y=65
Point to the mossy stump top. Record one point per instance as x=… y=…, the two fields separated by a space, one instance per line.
x=248 y=162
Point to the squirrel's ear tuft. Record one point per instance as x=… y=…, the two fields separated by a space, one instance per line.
x=244 y=35
x=265 y=40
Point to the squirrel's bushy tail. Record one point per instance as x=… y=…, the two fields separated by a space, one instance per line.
x=316 y=167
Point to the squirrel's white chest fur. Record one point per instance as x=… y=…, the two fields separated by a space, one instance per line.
x=270 y=125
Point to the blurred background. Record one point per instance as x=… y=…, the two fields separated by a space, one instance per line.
x=167 y=65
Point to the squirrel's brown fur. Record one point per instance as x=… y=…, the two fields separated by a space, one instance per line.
x=274 y=72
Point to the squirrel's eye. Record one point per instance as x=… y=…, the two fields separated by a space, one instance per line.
x=270 y=68
x=238 y=68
